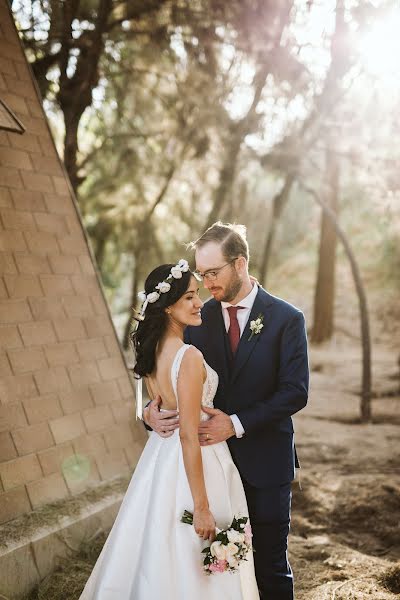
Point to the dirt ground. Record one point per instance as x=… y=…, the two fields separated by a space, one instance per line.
x=345 y=541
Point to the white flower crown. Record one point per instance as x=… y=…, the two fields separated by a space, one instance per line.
x=163 y=287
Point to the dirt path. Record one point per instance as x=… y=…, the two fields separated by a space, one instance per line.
x=345 y=528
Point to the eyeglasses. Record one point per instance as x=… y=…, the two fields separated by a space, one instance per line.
x=213 y=273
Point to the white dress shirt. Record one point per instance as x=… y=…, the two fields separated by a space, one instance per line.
x=242 y=316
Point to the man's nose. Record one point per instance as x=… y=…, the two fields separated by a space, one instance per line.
x=206 y=282
x=199 y=303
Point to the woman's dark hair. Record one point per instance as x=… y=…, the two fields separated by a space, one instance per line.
x=154 y=325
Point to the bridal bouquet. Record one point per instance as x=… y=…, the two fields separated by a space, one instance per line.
x=229 y=547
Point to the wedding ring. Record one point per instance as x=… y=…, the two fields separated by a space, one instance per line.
x=207 y=436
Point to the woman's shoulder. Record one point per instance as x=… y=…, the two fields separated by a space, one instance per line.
x=192 y=356
x=193 y=353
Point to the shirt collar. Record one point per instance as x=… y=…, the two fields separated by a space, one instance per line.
x=247 y=302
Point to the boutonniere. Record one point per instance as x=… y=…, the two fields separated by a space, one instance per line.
x=256 y=326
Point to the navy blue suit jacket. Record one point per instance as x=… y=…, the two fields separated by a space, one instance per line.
x=264 y=384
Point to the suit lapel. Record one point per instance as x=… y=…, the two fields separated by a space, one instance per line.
x=246 y=345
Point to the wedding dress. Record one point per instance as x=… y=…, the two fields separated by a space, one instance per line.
x=149 y=554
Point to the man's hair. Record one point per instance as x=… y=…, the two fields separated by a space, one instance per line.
x=231 y=237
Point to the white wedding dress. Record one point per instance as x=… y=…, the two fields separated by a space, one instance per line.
x=149 y=554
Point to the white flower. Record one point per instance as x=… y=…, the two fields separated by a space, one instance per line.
x=231 y=551
x=218 y=550
x=176 y=272
x=256 y=326
x=235 y=536
x=164 y=287
x=183 y=265
x=142 y=296
x=232 y=562
x=153 y=297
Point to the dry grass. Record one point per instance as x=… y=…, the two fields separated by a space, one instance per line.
x=390 y=579
x=68 y=580
x=51 y=514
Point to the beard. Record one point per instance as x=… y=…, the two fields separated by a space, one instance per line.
x=233 y=288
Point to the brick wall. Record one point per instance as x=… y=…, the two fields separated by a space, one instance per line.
x=66 y=401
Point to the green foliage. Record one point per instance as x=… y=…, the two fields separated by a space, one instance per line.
x=205 y=102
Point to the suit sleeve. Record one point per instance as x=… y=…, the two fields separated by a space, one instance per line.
x=292 y=390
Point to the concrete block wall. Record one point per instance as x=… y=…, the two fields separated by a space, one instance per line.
x=66 y=400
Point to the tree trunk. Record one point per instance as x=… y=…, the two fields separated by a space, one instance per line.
x=144 y=232
x=100 y=234
x=324 y=298
x=134 y=293
x=240 y=129
x=279 y=202
x=226 y=178
x=365 y=406
x=75 y=91
x=71 y=146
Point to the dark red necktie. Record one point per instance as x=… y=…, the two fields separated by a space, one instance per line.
x=234 y=329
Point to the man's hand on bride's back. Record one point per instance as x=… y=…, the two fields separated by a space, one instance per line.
x=164 y=423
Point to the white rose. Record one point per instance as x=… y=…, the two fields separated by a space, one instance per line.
x=235 y=537
x=231 y=551
x=232 y=562
x=153 y=297
x=142 y=296
x=218 y=550
x=183 y=265
x=176 y=272
x=256 y=326
x=164 y=287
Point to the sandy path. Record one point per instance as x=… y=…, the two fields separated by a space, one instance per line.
x=345 y=531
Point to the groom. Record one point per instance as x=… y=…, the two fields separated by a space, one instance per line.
x=257 y=344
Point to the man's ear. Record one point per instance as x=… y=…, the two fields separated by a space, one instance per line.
x=241 y=264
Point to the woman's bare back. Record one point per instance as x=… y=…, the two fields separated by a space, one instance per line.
x=159 y=382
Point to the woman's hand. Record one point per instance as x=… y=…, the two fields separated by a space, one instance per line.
x=204 y=524
x=254 y=280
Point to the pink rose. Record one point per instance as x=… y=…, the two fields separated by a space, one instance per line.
x=218 y=567
x=248 y=534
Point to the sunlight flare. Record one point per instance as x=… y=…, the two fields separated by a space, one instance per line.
x=380 y=49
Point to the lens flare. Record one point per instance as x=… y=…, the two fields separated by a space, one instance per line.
x=380 y=49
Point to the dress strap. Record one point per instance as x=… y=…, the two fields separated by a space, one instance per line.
x=176 y=365
x=139 y=398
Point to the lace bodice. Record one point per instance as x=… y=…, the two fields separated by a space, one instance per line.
x=209 y=387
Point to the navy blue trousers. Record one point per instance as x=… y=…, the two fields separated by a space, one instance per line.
x=269 y=510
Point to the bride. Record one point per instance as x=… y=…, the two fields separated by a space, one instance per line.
x=149 y=554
